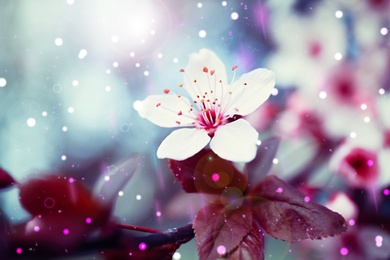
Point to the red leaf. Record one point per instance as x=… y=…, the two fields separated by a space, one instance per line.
x=287 y=214
x=6 y=179
x=205 y=172
x=52 y=195
x=251 y=247
x=219 y=231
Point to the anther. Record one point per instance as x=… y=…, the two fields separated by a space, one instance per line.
x=158 y=104
x=178 y=122
x=178 y=95
x=205 y=69
x=180 y=113
x=181 y=70
x=212 y=72
x=234 y=67
x=245 y=84
x=166 y=91
x=194 y=80
x=180 y=85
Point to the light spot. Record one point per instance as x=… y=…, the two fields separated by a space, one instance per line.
x=258 y=142
x=132 y=54
x=82 y=54
x=215 y=176
x=344 y=251
x=75 y=83
x=115 y=64
x=234 y=16
x=176 y=256
x=66 y=231
x=49 y=202
x=70 y=2
x=370 y=163
x=142 y=246
x=108 y=71
x=36 y=228
x=71 y=180
x=63 y=157
x=120 y=193
x=307 y=199
x=44 y=113
x=159 y=55
x=152 y=32
x=107 y=88
x=64 y=129
x=138 y=105
x=202 y=33
x=224 y=3
x=352 y=135
x=199 y=5
x=339 y=14
x=338 y=56
x=107 y=178
x=363 y=106
x=386 y=192
x=19 y=250
x=114 y=38
x=88 y=220
x=221 y=250
x=275 y=161
x=381 y=91
x=274 y=91
x=378 y=241
x=58 y=41
x=351 y=222
x=366 y=119
x=146 y=73
x=138 y=197
x=279 y=190
x=384 y=31
x=138 y=65
x=70 y=110
x=31 y=122
x=322 y=95
x=175 y=60
x=158 y=214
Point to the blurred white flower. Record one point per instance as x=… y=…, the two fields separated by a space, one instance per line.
x=214 y=111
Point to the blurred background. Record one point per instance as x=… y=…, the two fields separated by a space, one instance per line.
x=71 y=73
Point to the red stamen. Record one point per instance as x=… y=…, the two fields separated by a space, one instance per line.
x=181 y=70
x=158 y=104
x=180 y=113
x=205 y=69
x=178 y=122
x=166 y=91
x=234 y=67
x=212 y=72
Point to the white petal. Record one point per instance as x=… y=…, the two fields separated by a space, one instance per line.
x=183 y=143
x=250 y=91
x=164 y=110
x=235 y=141
x=205 y=82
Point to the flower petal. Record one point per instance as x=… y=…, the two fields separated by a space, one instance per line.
x=183 y=143
x=235 y=141
x=199 y=68
x=167 y=110
x=250 y=91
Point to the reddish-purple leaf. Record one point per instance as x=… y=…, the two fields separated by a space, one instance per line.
x=219 y=231
x=260 y=166
x=287 y=214
x=51 y=195
x=6 y=179
x=205 y=172
x=251 y=247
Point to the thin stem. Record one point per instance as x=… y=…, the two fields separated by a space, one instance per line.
x=137 y=228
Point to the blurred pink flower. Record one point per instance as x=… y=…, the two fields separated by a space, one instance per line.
x=214 y=111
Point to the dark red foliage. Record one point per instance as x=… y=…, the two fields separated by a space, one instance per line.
x=205 y=172
x=64 y=214
x=6 y=179
x=219 y=231
x=287 y=214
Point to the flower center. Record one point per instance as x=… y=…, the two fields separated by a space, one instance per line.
x=363 y=163
x=209 y=120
